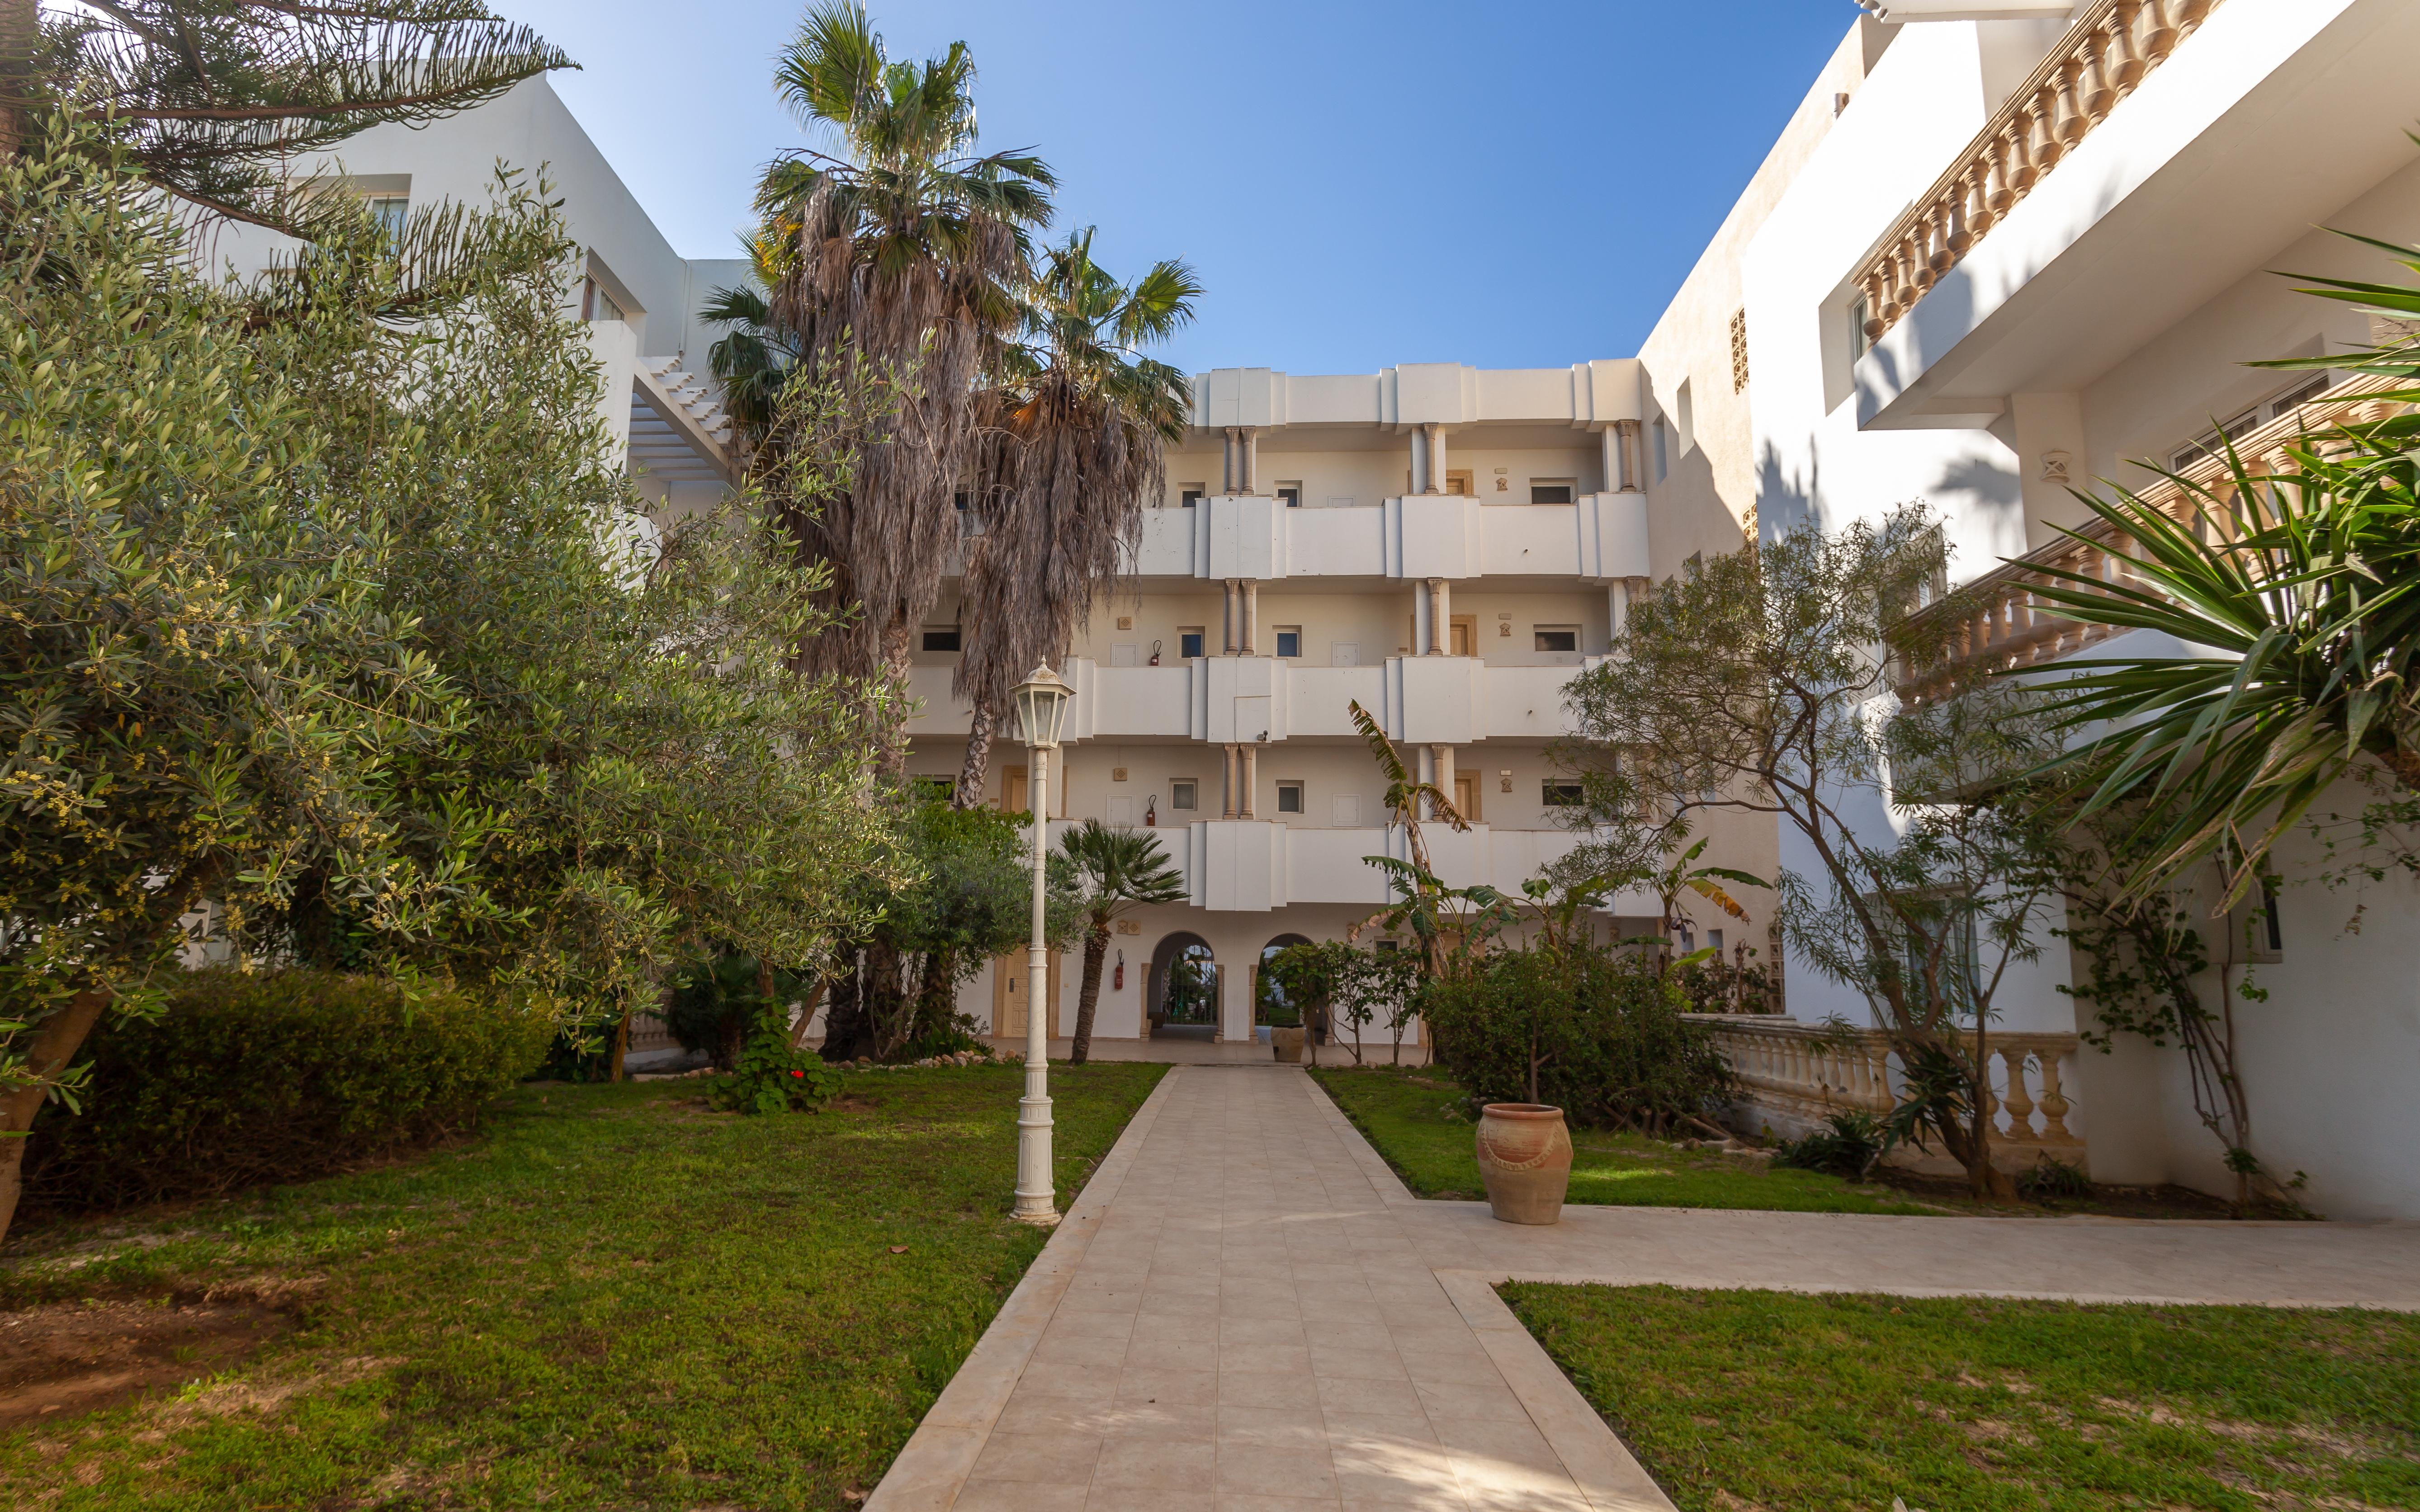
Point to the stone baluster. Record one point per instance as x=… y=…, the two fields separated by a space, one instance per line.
x=1903 y=269
x=1998 y=194
x=2053 y=1103
x=2072 y=123
x=2158 y=29
x=2131 y=66
x=2190 y=15
x=2099 y=92
x=2018 y=1103
x=1876 y=304
x=2047 y=147
x=2023 y=169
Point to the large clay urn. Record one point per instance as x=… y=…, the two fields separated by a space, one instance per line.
x=1524 y=1155
x=1286 y=1045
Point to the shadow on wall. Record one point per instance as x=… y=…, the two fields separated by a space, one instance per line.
x=1784 y=503
x=1996 y=513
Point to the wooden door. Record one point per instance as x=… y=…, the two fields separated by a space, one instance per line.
x=1466 y=796
x=1464 y=641
x=1010 y=999
x=1012 y=791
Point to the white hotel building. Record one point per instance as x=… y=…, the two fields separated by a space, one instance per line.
x=1998 y=248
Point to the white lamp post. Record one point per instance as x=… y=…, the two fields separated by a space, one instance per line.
x=1041 y=708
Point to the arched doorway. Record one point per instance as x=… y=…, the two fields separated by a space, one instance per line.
x=1184 y=1003
x=1269 y=1005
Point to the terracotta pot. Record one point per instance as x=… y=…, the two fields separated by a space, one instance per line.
x=1524 y=1156
x=1286 y=1045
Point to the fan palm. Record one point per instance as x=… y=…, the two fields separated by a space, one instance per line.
x=1114 y=869
x=754 y=357
x=904 y=250
x=209 y=99
x=1081 y=426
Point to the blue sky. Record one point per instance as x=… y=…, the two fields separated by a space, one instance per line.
x=1515 y=184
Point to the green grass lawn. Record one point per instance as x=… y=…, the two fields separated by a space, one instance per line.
x=1415 y=1119
x=615 y=1298
x=1758 y=1401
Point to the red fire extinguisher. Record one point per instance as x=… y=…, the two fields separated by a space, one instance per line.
x=1151 y=812
x=1155 y=652
x=1118 y=979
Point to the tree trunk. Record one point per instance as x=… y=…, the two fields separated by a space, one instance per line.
x=891 y=756
x=1096 y=944
x=20 y=31
x=57 y=1040
x=621 y=1051
x=974 y=774
x=935 y=1003
x=807 y=1018
x=846 y=1036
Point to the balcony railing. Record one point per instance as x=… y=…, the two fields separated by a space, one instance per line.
x=2109 y=50
x=1800 y=1075
x=1997 y=624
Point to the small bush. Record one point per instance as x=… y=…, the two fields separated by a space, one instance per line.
x=273 y=1077
x=771 y=1077
x=1607 y=1034
x=2054 y=1180
x=1849 y=1146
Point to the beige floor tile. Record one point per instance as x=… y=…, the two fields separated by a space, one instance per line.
x=1077 y=1352
x=1056 y=1458
x=1172 y=1388
x=1074 y=1385
x=1151 y=1462
x=1472 y=1401
x=1244 y=1328
x=1475 y=1367
x=1173 y=1354
x=1345 y=1428
x=1123 y=1499
x=1251 y=1388
x=1332 y=1333
x=1367 y=1365
x=1065 y=1324
x=1204 y=1327
x=1181 y=1303
x=1348 y=1394
x=1235 y=1503
x=1018 y=1496
x=1299 y=1427
x=1268 y=1470
x=1265 y=1359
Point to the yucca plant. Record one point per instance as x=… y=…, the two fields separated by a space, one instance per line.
x=2295 y=591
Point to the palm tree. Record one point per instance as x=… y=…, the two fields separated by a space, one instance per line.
x=753 y=357
x=1115 y=870
x=905 y=250
x=210 y=99
x=1081 y=422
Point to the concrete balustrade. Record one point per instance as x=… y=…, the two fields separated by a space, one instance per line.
x=1599 y=538
x=1999 y=623
x=2104 y=54
x=1796 y=1075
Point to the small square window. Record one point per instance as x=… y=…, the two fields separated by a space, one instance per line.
x=941 y=637
x=1557 y=638
x=1552 y=491
x=1290 y=495
x=1560 y=795
x=1190 y=494
x=1188 y=640
x=1289 y=641
x=1180 y=794
x=1289 y=797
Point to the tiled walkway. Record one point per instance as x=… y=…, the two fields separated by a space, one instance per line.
x=1246 y=1310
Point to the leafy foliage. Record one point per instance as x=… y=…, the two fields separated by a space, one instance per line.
x=716 y=1002
x=1107 y=871
x=772 y=1076
x=278 y=1076
x=1849 y=1144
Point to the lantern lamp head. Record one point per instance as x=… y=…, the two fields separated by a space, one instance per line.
x=1042 y=707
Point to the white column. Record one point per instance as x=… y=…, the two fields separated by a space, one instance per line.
x=1441 y=617
x=1226 y=781
x=1625 y=447
x=1420 y=463
x=1035 y=1201
x=1432 y=478
x=1250 y=456
x=1444 y=772
x=1227 y=463
x=1250 y=754
x=1608 y=442
x=1424 y=769
x=1227 y=631
x=1251 y=617
x=1422 y=602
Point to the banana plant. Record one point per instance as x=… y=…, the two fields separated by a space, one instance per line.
x=1452 y=924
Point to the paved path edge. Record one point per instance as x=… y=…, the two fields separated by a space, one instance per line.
x=940 y=1455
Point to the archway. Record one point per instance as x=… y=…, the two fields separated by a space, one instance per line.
x=1269 y=1005
x=1183 y=1002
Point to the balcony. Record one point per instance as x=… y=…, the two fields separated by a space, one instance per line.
x=2139 y=173
x=1997 y=624
x=1601 y=538
x=1253 y=866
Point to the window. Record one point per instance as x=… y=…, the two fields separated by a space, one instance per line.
x=392 y=211
x=1559 y=794
x=1289 y=797
x=1859 y=343
x=1662 y=448
x=594 y=303
x=1684 y=419
x=934 y=789
x=2276 y=407
x=1714 y=938
x=1181 y=794
x=941 y=637
x=1190 y=639
x=1557 y=638
x=1739 y=350
x=1551 y=491
x=1290 y=495
x=1289 y=641
x=1190 y=494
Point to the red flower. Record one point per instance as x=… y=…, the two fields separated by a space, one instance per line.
x=798 y=1073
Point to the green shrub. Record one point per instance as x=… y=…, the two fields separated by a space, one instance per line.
x=1848 y=1145
x=714 y=1003
x=771 y=1077
x=1601 y=1031
x=275 y=1078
